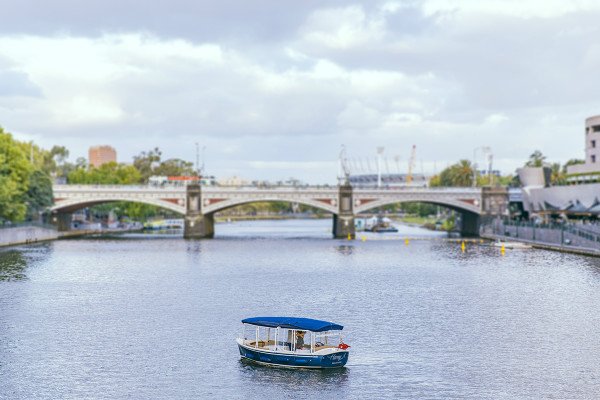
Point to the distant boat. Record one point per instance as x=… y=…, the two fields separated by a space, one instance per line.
x=293 y=342
x=380 y=224
x=512 y=245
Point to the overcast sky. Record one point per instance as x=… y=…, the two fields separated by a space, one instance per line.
x=273 y=88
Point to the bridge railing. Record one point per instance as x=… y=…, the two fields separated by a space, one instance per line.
x=591 y=233
x=266 y=188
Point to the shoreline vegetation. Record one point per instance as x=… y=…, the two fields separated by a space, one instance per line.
x=28 y=172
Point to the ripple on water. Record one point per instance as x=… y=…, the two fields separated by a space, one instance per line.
x=156 y=316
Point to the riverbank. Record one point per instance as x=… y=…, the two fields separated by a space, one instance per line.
x=585 y=251
x=36 y=234
x=26 y=235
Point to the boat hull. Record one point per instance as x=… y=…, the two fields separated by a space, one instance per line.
x=288 y=360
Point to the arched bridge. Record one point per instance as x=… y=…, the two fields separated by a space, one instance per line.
x=199 y=205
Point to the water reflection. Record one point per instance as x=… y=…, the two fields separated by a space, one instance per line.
x=12 y=266
x=151 y=316
x=345 y=249
x=294 y=380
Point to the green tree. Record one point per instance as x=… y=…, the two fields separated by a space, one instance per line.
x=39 y=195
x=557 y=176
x=15 y=170
x=150 y=163
x=174 y=167
x=107 y=174
x=459 y=174
x=145 y=163
x=536 y=159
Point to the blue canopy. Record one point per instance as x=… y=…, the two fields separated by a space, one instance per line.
x=308 y=324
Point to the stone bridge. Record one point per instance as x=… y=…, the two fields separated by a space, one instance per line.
x=199 y=204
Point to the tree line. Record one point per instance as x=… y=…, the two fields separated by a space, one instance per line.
x=27 y=172
x=462 y=173
x=25 y=183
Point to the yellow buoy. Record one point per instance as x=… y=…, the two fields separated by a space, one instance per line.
x=363 y=238
x=406 y=242
x=349 y=237
x=462 y=246
x=502 y=249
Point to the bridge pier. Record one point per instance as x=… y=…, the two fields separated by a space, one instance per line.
x=196 y=224
x=343 y=221
x=494 y=202
x=62 y=221
x=469 y=224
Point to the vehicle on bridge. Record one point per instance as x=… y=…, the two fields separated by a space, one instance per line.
x=293 y=342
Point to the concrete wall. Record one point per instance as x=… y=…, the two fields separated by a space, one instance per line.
x=534 y=176
x=27 y=234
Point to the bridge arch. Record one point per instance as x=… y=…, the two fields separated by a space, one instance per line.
x=454 y=204
x=212 y=208
x=470 y=212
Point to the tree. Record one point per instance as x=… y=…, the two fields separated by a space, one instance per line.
x=536 y=159
x=175 y=167
x=149 y=163
x=15 y=170
x=557 y=177
x=39 y=195
x=107 y=174
x=459 y=174
x=145 y=163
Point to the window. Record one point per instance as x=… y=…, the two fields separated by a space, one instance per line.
x=593 y=158
x=593 y=143
x=596 y=128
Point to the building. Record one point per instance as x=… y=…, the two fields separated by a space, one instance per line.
x=592 y=150
x=388 y=180
x=232 y=181
x=99 y=155
x=579 y=198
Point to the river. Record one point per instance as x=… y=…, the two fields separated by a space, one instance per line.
x=155 y=316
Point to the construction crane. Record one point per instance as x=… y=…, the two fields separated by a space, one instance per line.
x=411 y=164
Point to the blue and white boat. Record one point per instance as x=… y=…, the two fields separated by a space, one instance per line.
x=293 y=342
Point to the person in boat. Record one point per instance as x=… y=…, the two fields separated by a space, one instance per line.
x=300 y=339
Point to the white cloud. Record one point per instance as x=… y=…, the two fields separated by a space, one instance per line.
x=447 y=76
x=513 y=8
x=342 y=28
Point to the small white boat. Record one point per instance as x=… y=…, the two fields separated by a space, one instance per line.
x=511 y=245
x=293 y=342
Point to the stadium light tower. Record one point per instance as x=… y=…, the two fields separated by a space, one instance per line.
x=380 y=150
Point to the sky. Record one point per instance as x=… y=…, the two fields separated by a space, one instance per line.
x=273 y=89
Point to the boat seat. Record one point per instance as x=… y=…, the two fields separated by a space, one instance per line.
x=261 y=343
x=325 y=347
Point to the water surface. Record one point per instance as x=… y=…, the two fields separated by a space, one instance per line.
x=156 y=316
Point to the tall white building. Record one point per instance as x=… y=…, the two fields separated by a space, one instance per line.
x=592 y=148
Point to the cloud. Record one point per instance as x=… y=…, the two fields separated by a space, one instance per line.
x=17 y=83
x=288 y=83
